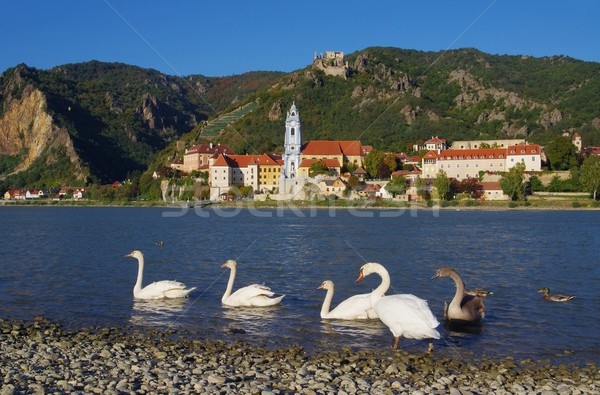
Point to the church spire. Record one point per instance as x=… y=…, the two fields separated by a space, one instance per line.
x=293 y=143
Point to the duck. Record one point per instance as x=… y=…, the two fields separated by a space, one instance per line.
x=482 y=293
x=464 y=308
x=405 y=315
x=555 y=298
x=253 y=295
x=357 y=307
x=165 y=289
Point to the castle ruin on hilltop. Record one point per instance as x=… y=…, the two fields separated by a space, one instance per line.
x=332 y=63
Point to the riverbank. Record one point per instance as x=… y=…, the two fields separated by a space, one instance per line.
x=42 y=357
x=535 y=202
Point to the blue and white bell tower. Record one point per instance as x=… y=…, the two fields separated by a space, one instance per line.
x=293 y=144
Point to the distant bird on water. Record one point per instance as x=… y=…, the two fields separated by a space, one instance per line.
x=554 y=298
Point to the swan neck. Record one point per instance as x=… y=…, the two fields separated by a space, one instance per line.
x=385 y=282
x=229 y=284
x=327 y=303
x=140 y=276
x=460 y=288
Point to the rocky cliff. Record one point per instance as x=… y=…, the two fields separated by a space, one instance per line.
x=28 y=131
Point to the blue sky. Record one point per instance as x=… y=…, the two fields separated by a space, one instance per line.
x=219 y=38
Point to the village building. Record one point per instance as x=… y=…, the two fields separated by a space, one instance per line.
x=298 y=157
x=198 y=157
x=477 y=144
x=433 y=144
x=261 y=172
x=467 y=163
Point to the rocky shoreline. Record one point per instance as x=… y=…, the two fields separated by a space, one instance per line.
x=41 y=357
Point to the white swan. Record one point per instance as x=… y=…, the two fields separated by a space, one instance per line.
x=404 y=314
x=357 y=307
x=254 y=295
x=157 y=290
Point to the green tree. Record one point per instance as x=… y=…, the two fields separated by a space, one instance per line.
x=442 y=185
x=396 y=186
x=318 y=168
x=353 y=182
x=512 y=182
x=590 y=175
x=422 y=189
x=391 y=162
x=561 y=153
x=372 y=162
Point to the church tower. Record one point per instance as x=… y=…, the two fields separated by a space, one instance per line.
x=293 y=144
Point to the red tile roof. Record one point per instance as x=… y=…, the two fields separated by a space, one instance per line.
x=529 y=149
x=435 y=140
x=245 y=160
x=334 y=147
x=490 y=186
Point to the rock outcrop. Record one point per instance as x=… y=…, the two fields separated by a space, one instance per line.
x=28 y=130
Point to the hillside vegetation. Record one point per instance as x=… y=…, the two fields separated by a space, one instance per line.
x=122 y=120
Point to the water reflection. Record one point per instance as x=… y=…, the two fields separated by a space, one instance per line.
x=355 y=332
x=249 y=319
x=161 y=312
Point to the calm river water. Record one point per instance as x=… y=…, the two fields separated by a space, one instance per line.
x=67 y=264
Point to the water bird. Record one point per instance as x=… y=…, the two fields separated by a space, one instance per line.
x=254 y=295
x=464 y=308
x=160 y=243
x=554 y=298
x=157 y=290
x=405 y=315
x=357 y=307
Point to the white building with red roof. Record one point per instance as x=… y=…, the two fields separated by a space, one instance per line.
x=198 y=157
x=261 y=172
x=467 y=163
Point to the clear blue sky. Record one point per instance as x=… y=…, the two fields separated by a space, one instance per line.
x=219 y=38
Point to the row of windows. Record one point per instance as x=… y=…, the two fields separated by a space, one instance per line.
x=467 y=165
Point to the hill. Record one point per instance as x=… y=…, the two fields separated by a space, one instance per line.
x=393 y=97
x=99 y=122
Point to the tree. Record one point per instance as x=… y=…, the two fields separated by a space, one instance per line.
x=471 y=187
x=353 y=182
x=391 y=161
x=372 y=162
x=590 y=175
x=512 y=182
x=561 y=153
x=318 y=168
x=383 y=171
x=396 y=186
x=442 y=185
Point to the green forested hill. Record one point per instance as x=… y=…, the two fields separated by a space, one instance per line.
x=393 y=97
x=122 y=119
x=119 y=116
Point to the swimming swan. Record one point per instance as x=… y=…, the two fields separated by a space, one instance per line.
x=357 y=307
x=404 y=314
x=157 y=290
x=464 y=308
x=254 y=295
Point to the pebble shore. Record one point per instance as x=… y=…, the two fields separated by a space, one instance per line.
x=41 y=357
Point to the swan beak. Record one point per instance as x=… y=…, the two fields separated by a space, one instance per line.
x=128 y=255
x=223 y=266
x=360 y=276
x=320 y=286
x=437 y=275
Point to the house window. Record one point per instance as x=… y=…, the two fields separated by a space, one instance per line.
x=467 y=165
x=292 y=132
x=476 y=164
x=501 y=156
x=533 y=151
x=532 y=159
